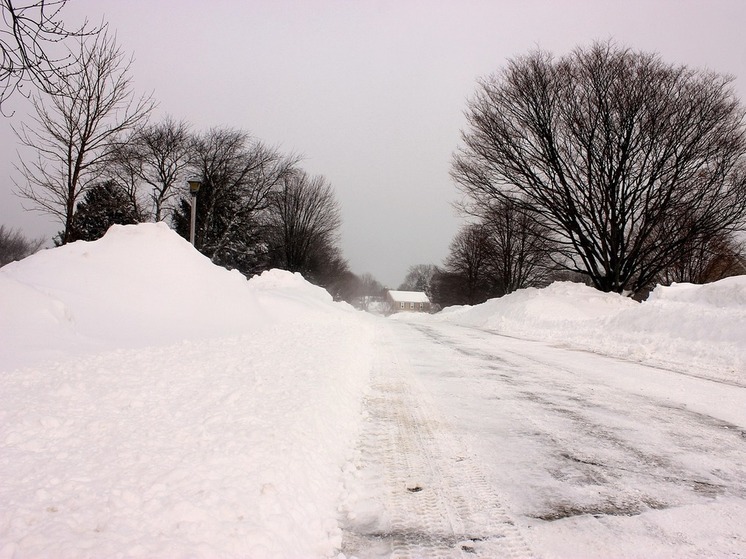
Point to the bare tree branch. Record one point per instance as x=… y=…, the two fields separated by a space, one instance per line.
x=78 y=129
x=30 y=32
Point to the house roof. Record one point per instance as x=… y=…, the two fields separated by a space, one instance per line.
x=408 y=297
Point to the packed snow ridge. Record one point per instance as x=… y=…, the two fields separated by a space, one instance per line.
x=700 y=329
x=154 y=404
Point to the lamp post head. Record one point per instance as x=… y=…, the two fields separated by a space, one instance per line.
x=194 y=185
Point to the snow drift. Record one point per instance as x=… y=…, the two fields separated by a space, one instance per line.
x=137 y=286
x=156 y=405
x=693 y=328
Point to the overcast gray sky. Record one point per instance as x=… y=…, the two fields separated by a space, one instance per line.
x=371 y=93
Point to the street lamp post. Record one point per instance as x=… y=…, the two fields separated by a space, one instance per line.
x=194 y=185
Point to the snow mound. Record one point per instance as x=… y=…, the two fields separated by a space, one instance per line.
x=157 y=405
x=560 y=305
x=726 y=293
x=138 y=286
x=289 y=283
x=693 y=328
x=284 y=293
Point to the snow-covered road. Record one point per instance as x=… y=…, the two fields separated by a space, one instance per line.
x=413 y=490
x=264 y=420
x=481 y=445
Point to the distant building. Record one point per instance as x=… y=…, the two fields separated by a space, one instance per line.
x=408 y=301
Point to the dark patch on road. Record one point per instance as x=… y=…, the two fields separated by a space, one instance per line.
x=559 y=511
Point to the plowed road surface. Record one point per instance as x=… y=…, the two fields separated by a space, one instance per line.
x=477 y=445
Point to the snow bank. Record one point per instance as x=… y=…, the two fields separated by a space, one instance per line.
x=692 y=328
x=139 y=285
x=560 y=305
x=188 y=412
x=285 y=292
x=231 y=447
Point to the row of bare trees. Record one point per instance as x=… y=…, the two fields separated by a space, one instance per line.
x=630 y=171
x=98 y=161
x=256 y=207
x=506 y=250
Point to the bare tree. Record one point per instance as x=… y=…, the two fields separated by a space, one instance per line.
x=613 y=149
x=469 y=260
x=156 y=157
x=15 y=246
x=506 y=250
x=78 y=128
x=521 y=247
x=306 y=218
x=418 y=278
x=125 y=168
x=238 y=174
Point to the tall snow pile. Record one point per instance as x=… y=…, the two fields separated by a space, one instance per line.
x=692 y=328
x=156 y=405
x=137 y=286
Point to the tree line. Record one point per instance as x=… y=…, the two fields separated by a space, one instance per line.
x=99 y=160
x=605 y=165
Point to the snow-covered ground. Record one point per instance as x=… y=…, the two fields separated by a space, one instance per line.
x=155 y=405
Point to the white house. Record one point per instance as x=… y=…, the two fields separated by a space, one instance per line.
x=408 y=301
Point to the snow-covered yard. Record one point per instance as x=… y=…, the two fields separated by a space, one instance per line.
x=154 y=405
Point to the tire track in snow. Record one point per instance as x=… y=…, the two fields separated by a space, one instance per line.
x=433 y=500
x=591 y=443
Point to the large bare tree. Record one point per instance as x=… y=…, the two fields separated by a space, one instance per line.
x=306 y=218
x=521 y=247
x=629 y=159
x=78 y=128
x=30 y=38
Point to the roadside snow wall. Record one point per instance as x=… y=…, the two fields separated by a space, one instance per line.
x=692 y=328
x=156 y=405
